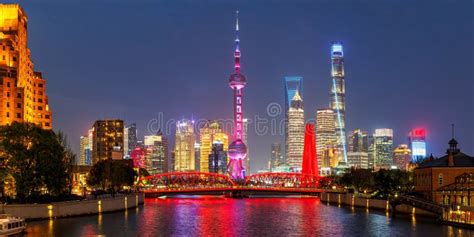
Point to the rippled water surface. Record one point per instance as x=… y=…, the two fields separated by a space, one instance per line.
x=213 y=216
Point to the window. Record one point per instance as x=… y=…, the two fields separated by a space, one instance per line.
x=239 y=109
x=8 y=84
x=40 y=107
x=440 y=179
x=47 y=116
x=46 y=124
x=239 y=100
x=8 y=115
x=18 y=95
x=18 y=115
x=18 y=105
x=8 y=94
x=40 y=85
x=8 y=104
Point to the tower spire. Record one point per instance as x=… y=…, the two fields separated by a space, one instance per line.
x=237 y=41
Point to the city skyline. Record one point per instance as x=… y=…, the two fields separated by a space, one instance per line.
x=432 y=109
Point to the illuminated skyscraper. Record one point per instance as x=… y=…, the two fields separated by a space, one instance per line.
x=417 y=141
x=359 y=141
x=85 y=151
x=325 y=136
x=358 y=159
x=338 y=94
x=209 y=134
x=197 y=156
x=130 y=139
x=184 y=154
x=276 y=157
x=23 y=90
x=156 y=149
x=237 y=82
x=296 y=130
x=293 y=84
x=107 y=140
x=402 y=156
x=383 y=143
x=218 y=158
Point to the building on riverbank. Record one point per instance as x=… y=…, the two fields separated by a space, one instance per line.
x=23 y=89
x=435 y=173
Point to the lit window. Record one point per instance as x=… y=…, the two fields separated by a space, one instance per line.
x=440 y=179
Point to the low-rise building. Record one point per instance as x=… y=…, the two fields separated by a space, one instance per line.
x=435 y=173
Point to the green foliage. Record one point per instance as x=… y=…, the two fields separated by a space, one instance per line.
x=380 y=184
x=111 y=175
x=39 y=160
x=391 y=182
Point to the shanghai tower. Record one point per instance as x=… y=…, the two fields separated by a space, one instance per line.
x=338 y=94
x=237 y=149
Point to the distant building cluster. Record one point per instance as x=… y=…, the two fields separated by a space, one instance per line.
x=203 y=151
x=336 y=150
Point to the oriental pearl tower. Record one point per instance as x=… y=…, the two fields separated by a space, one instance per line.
x=237 y=81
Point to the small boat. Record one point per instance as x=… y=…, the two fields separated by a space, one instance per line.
x=10 y=225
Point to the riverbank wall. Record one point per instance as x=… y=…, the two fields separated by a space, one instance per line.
x=349 y=199
x=74 y=208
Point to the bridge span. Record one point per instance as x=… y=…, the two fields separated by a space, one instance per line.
x=198 y=183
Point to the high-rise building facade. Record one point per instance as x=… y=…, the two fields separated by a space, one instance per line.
x=237 y=81
x=325 y=136
x=208 y=134
x=358 y=141
x=184 y=154
x=107 y=139
x=23 y=90
x=402 y=156
x=417 y=142
x=276 y=156
x=383 y=147
x=156 y=147
x=338 y=94
x=296 y=130
x=217 y=158
x=130 y=139
x=85 y=151
x=293 y=84
x=197 y=156
x=358 y=159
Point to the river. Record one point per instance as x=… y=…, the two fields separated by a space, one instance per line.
x=217 y=216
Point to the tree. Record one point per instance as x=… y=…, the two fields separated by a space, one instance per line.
x=111 y=175
x=391 y=182
x=38 y=160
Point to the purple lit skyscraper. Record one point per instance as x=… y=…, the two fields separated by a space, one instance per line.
x=237 y=81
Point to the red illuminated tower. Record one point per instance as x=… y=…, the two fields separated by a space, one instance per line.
x=237 y=81
x=310 y=159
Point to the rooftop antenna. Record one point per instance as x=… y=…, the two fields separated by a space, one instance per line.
x=452 y=130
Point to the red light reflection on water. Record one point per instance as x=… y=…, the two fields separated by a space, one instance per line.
x=210 y=216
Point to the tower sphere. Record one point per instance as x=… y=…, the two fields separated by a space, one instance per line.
x=237 y=81
x=237 y=150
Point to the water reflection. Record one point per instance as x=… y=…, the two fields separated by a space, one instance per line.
x=216 y=216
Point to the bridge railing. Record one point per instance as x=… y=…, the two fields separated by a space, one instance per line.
x=208 y=181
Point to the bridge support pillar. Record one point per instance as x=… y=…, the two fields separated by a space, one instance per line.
x=393 y=209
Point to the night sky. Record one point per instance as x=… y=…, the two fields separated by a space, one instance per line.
x=408 y=64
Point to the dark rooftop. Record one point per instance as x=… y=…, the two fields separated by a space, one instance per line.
x=460 y=160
